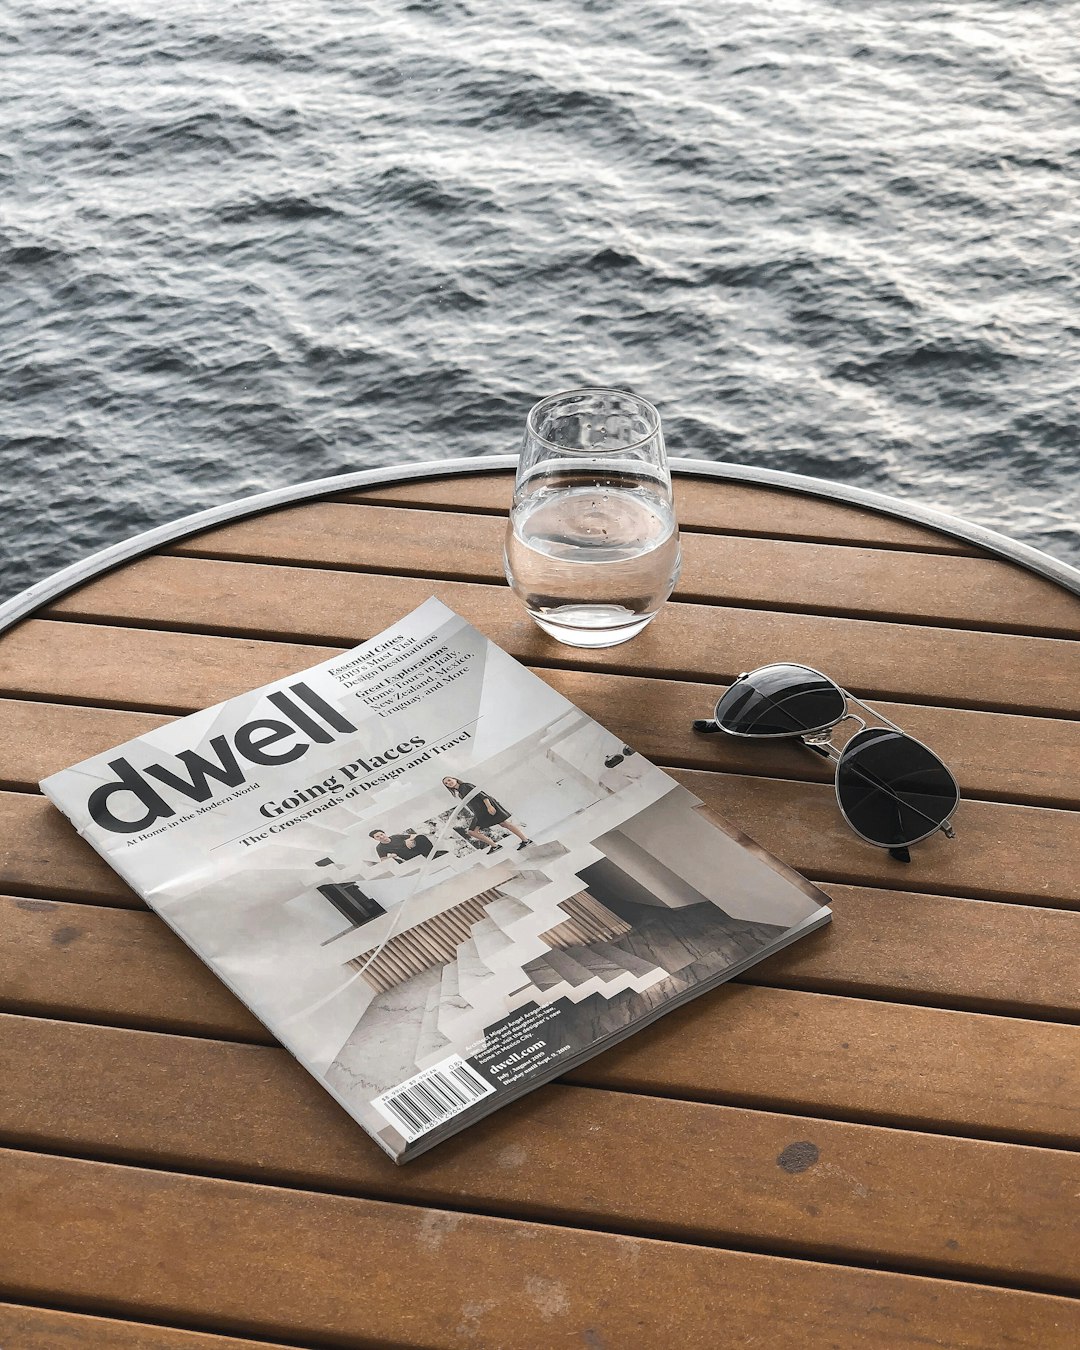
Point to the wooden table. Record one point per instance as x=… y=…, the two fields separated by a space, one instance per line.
x=867 y=1141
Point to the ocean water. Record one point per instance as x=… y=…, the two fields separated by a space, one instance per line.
x=243 y=245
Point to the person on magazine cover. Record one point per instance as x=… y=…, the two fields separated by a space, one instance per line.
x=403 y=847
x=485 y=811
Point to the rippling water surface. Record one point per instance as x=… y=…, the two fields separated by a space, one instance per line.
x=243 y=245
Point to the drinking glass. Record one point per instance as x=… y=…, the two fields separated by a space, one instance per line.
x=592 y=544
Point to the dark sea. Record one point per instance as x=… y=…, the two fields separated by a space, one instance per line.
x=248 y=244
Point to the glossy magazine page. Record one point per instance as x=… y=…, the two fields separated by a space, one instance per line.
x=435 y=880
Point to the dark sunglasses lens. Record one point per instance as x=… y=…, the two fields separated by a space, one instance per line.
x=892 y=789
x=780 y=700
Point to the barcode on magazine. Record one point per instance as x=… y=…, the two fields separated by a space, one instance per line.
x=432 y=1097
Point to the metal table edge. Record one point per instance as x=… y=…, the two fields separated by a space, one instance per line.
x=69 y=578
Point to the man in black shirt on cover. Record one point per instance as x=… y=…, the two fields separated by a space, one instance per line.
x=403 y=847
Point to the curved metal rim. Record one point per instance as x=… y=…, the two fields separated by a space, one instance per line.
x=77 y=574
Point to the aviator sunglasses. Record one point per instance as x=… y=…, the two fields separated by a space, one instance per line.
x=892 y=790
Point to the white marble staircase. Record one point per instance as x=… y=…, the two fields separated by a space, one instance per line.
x=507 y=912
x=490 y=940
x=485 y=982
x=432 y=1044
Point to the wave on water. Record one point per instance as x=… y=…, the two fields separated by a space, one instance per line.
x=247 y=246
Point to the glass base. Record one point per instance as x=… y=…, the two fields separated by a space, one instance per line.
x=591 y=625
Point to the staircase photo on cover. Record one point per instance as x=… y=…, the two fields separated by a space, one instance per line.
x=607 y=929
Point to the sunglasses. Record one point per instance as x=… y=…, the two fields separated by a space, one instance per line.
x=892 y=790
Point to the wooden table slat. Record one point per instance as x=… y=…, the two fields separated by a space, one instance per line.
x=859 y=1060
x=26 y=1328
x=116 y=966
x=126 y=968
x=772 y=573
x=1018 y=854
x=172 y=671
x=130 y=1240
x=701 y=504
x=710 y=1174
x=998 y=671
x=817 y=1054
x=1000 y=756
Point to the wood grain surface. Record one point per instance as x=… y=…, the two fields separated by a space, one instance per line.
x=773 y=1182
x=103 y=964
x=1028 y=760
x=149 y=1242
x=770 y=573
x=27 y=1328
x=868 y=1141
x=993 y=670
x=1014 y=854
x=851 y=1052
x=725 y=508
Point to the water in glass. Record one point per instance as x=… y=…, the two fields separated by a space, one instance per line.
x=592 y=546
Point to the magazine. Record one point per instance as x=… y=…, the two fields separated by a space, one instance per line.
x=436 y=881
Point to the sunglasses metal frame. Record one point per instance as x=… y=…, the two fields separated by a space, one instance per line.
x=817 y=740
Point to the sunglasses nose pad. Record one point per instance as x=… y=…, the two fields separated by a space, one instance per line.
x=705 y=725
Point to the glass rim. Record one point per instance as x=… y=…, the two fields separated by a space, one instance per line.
x=651 y=408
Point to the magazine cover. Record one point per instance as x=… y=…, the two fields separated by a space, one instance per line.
x=435 y=880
